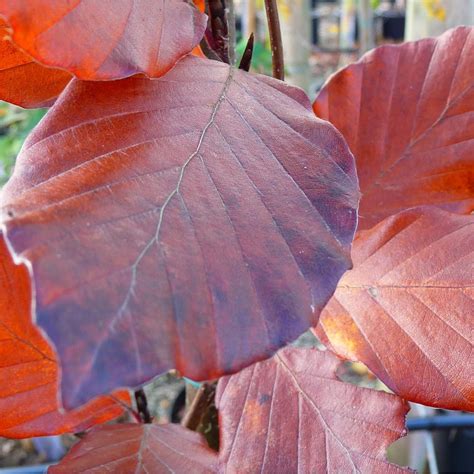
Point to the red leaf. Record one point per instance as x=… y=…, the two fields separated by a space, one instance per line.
x=200 y=5
x=291 y=414
x=407 y=113
x=191 y=222
x=105 y=39
x=28 y=368
x=141 y=449
x=22 y=81
x=406 y=309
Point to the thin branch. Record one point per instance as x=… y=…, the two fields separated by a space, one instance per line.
x=231 y=35
x=199 y=405
x=126 y=407
x=275 y=39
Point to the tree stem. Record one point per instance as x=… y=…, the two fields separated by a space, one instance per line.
x=198 y=406
x=275 y=39
x=230 y=16
x=202 y=416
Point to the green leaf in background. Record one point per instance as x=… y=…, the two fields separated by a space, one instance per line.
x=15 y=125
x=261 y=58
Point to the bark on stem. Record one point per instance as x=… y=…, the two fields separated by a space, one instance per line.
x=198 y=407
x=230 y=14
x=276 y=44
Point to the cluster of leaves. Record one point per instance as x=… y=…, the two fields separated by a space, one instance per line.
x=173 y=212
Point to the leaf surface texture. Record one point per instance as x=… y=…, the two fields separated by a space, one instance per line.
x=199 y=221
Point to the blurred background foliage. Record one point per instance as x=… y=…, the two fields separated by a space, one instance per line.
x=15 y=125
x=261 y=57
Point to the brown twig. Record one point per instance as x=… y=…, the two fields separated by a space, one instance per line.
x=126 y=407
x=230 y=18
x=199 y=405
x=142 y=406
x=246 y=60
x=201 y=415
x=275 y=39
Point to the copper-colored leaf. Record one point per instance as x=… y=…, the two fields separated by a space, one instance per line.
x=406 y=310
x=140 y=449
x=200 y=5
x=105 y=39
x=29 y=371
x=291 y=414
x=407 y=113
x=199 y=221
x=22 y=81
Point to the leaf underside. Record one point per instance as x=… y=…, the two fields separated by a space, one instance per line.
x=24 y=82
x=29 y=371
x=407 y=113
x=141 y=449
x=406 y=308
x=291 y=414
x=105 y=39
x=199 y=221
